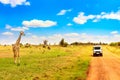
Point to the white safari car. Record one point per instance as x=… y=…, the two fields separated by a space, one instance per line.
x=97 y=51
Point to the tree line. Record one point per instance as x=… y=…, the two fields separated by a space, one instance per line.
x=114 y=44
x=63 y=43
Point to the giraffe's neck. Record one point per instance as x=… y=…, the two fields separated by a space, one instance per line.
x=18 y=40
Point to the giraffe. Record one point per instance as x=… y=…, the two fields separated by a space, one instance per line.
x=16 y=48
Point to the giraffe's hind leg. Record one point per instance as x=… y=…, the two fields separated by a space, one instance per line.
x=18 y=58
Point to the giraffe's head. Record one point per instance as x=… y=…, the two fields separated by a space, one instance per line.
x=22 y=33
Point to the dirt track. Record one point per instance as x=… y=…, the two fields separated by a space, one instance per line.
x=105 y=68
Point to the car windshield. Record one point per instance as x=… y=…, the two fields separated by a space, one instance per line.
x=96 y=47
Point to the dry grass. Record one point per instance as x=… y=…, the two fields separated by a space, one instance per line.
x=114 y=49
x=59 y=63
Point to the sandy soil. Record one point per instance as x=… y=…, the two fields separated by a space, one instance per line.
x=104 y=68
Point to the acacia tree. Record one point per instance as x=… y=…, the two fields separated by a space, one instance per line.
x=63 y=43
x=45 y=42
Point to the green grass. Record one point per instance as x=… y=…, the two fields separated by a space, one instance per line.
x=59 y=63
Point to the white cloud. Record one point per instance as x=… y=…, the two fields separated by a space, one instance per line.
x=29 y=33
x=34 y=36
x=63 y=12
x=9 y=41
x=7 y=33
x=55 y=38
x=69 y=24
x=33 y=23
x=83 y=37
x=39 y=23
x=71 y=35
x=27 y=3
x=82 y=19
x=111 y=15
x=8 y=26
x=114 y=32
x=95 y=20
x=33 y=39
x=14 y=3
x=19 y=29
x=16 y=28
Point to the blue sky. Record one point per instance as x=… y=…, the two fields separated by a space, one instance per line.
x=73 y=20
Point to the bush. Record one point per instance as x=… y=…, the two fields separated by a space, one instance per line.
x=27 y=45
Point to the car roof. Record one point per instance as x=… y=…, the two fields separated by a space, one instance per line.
x=97 y=46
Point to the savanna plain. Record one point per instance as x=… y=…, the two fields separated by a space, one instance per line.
x=58 y=63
